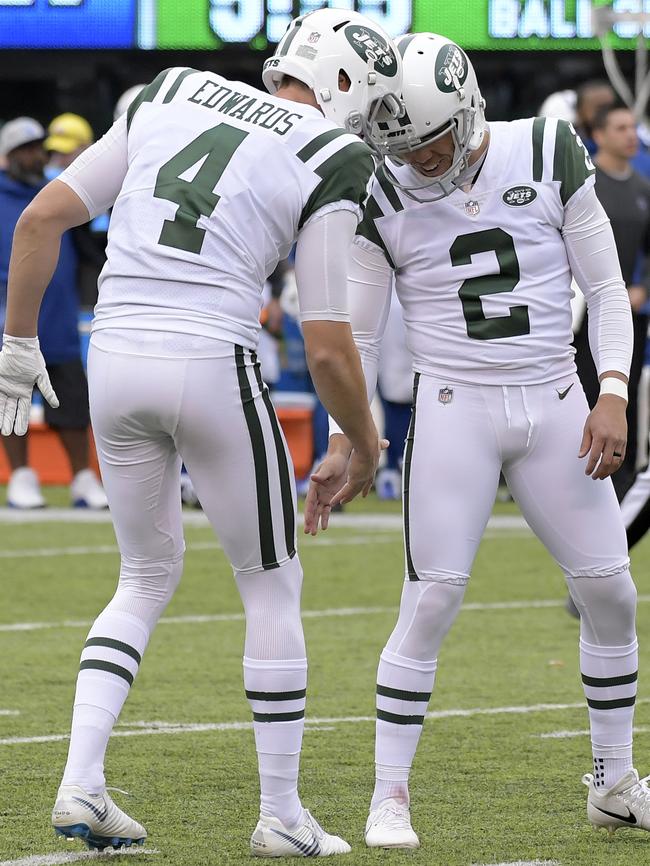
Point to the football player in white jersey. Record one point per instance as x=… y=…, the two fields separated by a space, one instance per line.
x=211 y=182
x=483 y=227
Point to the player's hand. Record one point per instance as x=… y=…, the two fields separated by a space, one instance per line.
x=21 y=367
x=328 y=479
x=605 y=437
x=361 y=474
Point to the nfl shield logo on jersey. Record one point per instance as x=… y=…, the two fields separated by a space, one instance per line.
x=472 y=208
x=445 y=395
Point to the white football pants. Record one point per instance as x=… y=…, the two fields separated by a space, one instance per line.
x=151 y=413
x=463 y=436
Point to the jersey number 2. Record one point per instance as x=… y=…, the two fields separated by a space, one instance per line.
x=195 y=198
x=516 y=324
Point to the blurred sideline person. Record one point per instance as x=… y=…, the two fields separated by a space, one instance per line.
x=212 y=181
x=625 y=197
x=68 y=135
x=21 y=141
x=483 y=226
x=591 y=96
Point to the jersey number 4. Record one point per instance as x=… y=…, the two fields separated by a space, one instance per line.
x=211 y=151
x=516 y=324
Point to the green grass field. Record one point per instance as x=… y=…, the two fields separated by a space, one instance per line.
x=487 y=787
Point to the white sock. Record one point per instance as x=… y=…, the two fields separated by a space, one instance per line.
x=276 y=692
x=92 y=728
x=404 y=687
x=109 y=663
x=609 y=676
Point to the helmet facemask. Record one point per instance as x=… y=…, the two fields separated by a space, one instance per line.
x=461 y=127
x=441 y=97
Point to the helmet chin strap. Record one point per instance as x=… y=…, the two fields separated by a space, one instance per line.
x=468 y=174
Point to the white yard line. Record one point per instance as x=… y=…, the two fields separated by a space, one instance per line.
x=50 y=552
x=198 y=518
x=139 y=729
x=515 y=863
x=9 y=712
x=189 y=619
x=71 y=857
x=567 y=735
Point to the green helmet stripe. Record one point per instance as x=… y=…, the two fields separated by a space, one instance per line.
x=288 y=39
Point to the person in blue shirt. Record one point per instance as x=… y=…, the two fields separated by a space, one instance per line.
x=22 y=148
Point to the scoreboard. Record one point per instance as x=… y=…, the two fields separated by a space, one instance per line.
x=259 y=24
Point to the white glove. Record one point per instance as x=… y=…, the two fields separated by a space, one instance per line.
x=21 y=367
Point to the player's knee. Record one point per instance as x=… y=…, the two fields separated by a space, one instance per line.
x=427 y=611
x=154 y=579
x=271 y=600
x=607 y=608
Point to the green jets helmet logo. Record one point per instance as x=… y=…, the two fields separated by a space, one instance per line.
x=451 y=68
x=519 y=196
x=369 y=45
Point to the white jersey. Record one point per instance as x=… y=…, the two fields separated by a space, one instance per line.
x=221 y=178
x=484 y=277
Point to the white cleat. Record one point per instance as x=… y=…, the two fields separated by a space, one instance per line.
x=625 y=804
x=24 y=489
x=95 y=819
x=272 y=839
x=389 y=826
x=86 y=491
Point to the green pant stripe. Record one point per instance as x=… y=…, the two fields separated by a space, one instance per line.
x=279 y=717
x=283 y=466
x=408 y=454
x=538 y=147
x=98 y=665
x=396 y=719
x=608 y=682
x=116 y=645
x=401 y=695
x=276 y=696
x=616 y=704
x=264 y=517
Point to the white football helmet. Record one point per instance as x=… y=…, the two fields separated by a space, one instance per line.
x=319 y=45
x=441 y=95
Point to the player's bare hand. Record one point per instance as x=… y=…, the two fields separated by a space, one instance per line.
x=361 y=474
x=327 y=480
x=605 y=437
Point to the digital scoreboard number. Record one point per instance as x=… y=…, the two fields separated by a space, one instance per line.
x=259 y=24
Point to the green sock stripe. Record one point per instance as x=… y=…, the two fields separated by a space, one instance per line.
x=608 y=682
x=276 y=696
x=401 y=695
x=98 y=665
x=116 y=645
x=611 y=705
x=397 y=719
x=279 y=717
